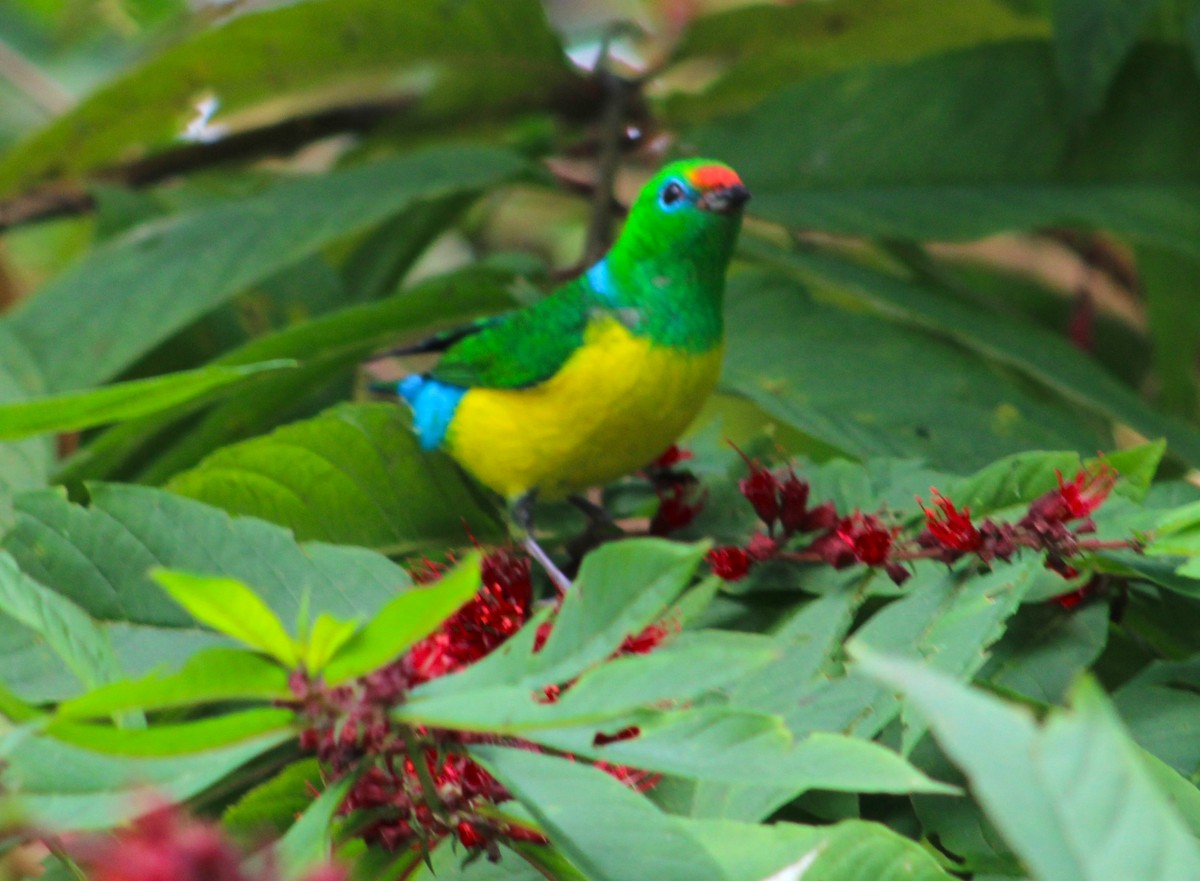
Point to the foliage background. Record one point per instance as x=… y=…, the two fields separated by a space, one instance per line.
x=972 y=258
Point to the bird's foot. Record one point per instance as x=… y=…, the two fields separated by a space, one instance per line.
x=535 y=550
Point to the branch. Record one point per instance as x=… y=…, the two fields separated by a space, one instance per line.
x=65 y=198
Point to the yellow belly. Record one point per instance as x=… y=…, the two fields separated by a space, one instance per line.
x=613 y=407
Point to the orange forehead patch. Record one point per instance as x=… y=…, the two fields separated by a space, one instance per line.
x=711 y=177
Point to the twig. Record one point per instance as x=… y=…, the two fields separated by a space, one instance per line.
x=612 y=125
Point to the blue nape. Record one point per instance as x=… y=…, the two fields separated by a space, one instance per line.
x=433 y=404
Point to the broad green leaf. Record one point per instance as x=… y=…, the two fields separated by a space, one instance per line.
x=214 y=675
x=1169 y=280
x=171 y=740
x=64 y=627
x=629 y=838
x=120 y=402
x=760 y=46
x=309 y=841
x=402 y=622
x=1046 y=358
x=232 y=608
x=325 y=639
x=1091 y=40
x=194 y=261
x=270 y=808
x=909 y=151
x=1161 y=709
x=444 y=61
x=353 y=475
x=1073 y=797
x=831 y=373
x=65 y=787
x=26 y=464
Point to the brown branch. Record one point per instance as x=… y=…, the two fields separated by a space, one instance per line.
x=67 y=198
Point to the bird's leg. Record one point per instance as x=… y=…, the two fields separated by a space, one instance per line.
x=523 y=515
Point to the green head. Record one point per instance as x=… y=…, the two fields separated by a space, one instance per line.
x=690 y=208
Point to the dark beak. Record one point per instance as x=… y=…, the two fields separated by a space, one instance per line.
x=725 y=200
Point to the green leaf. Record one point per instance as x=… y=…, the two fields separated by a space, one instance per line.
x=630 y=838
x=759 y=47
x=232 y=608
x=909 y=151
x=402 y=622
x=325 y=639
x=26 y=464
x=65 y=787
x=120 y=402
x=192 y=262
x=64 y=627
x=1091 y=40
x=270 y=808
x=353 y=475
x=309 y=841
x=441 y=60
x=172 y=740
x=218 y=674
x=1073 y=798
x=804 y=362
x=1169 y=279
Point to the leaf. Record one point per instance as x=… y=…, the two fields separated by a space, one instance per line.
x=65 y=787
x=66 y=628
x=804 y=362
x=232 y=608
x=402 y=622
x=444 y=60
x=353 y=475
x=120 y=402
x=1046 y=358
x=171 y=740
x=1168 y=280
x=26 y=464
x=1073 y=797
x=218 y=674
x=270 y=808
x=759 y=47
x=630 y=838
x=194 y=261
x=309 y=841
x=1091 y=40
x=326 y=638
x=909 y=151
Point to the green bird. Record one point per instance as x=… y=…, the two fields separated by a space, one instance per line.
x=601 y=376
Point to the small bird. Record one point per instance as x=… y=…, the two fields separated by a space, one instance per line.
x=601 y=376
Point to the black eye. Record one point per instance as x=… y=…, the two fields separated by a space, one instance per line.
x=672 y=193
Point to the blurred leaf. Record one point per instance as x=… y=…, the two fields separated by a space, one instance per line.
x=26 y=464
x=909 y=151
x=64 y=627
x=402 y=622
x=171 y=740
x=470 y=55
x=831 y=373
x=232 y=608
x=189 y=263
x=309 y=841
x=353 y=475
x=762 y=46
x=120 y=402
x=218 y=674
x=1170 y=281
x=273 y=806
x=1072 y=797
x=65 y=787
x=1091 y=40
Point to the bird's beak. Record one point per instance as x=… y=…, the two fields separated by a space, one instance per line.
x=725 y=200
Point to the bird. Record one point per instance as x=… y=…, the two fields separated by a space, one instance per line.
x=598 y=378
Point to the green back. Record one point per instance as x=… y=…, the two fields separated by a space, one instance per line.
x=664 y=279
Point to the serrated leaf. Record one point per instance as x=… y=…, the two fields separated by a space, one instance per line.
x=120 y=402
x=232 y=608
x=353 y=475
x=310 y=840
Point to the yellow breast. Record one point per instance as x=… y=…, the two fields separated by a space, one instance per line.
x=614 y=406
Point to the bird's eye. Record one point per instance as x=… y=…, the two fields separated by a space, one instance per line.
x=672 y=193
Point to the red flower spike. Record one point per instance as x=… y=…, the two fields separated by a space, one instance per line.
x=761 y=490
x=820 y=518
x=868 y=539
x=793 y=504
x=602 y=739
x=898 y=573
x=951 y=528
x=1087 y=490
x=1072 y=600
x=679 y=503
x=833 y=550
x=761 y=547
x=469 y=835
x=729 y=563
x=671 y=457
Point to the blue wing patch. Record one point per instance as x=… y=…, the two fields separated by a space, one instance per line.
x=433 y=404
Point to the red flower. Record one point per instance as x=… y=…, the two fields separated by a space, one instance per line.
x=859 y=537
x=793 y=504
x=1086 y=492
x=761 y=490
x=679 y=502
x=950 y=527
x=761 y=547
x=729 y=563
x=671 y=457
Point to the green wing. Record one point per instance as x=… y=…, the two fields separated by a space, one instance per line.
x=523 y=348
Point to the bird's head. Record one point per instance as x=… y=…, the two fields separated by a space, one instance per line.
x=693 y=200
